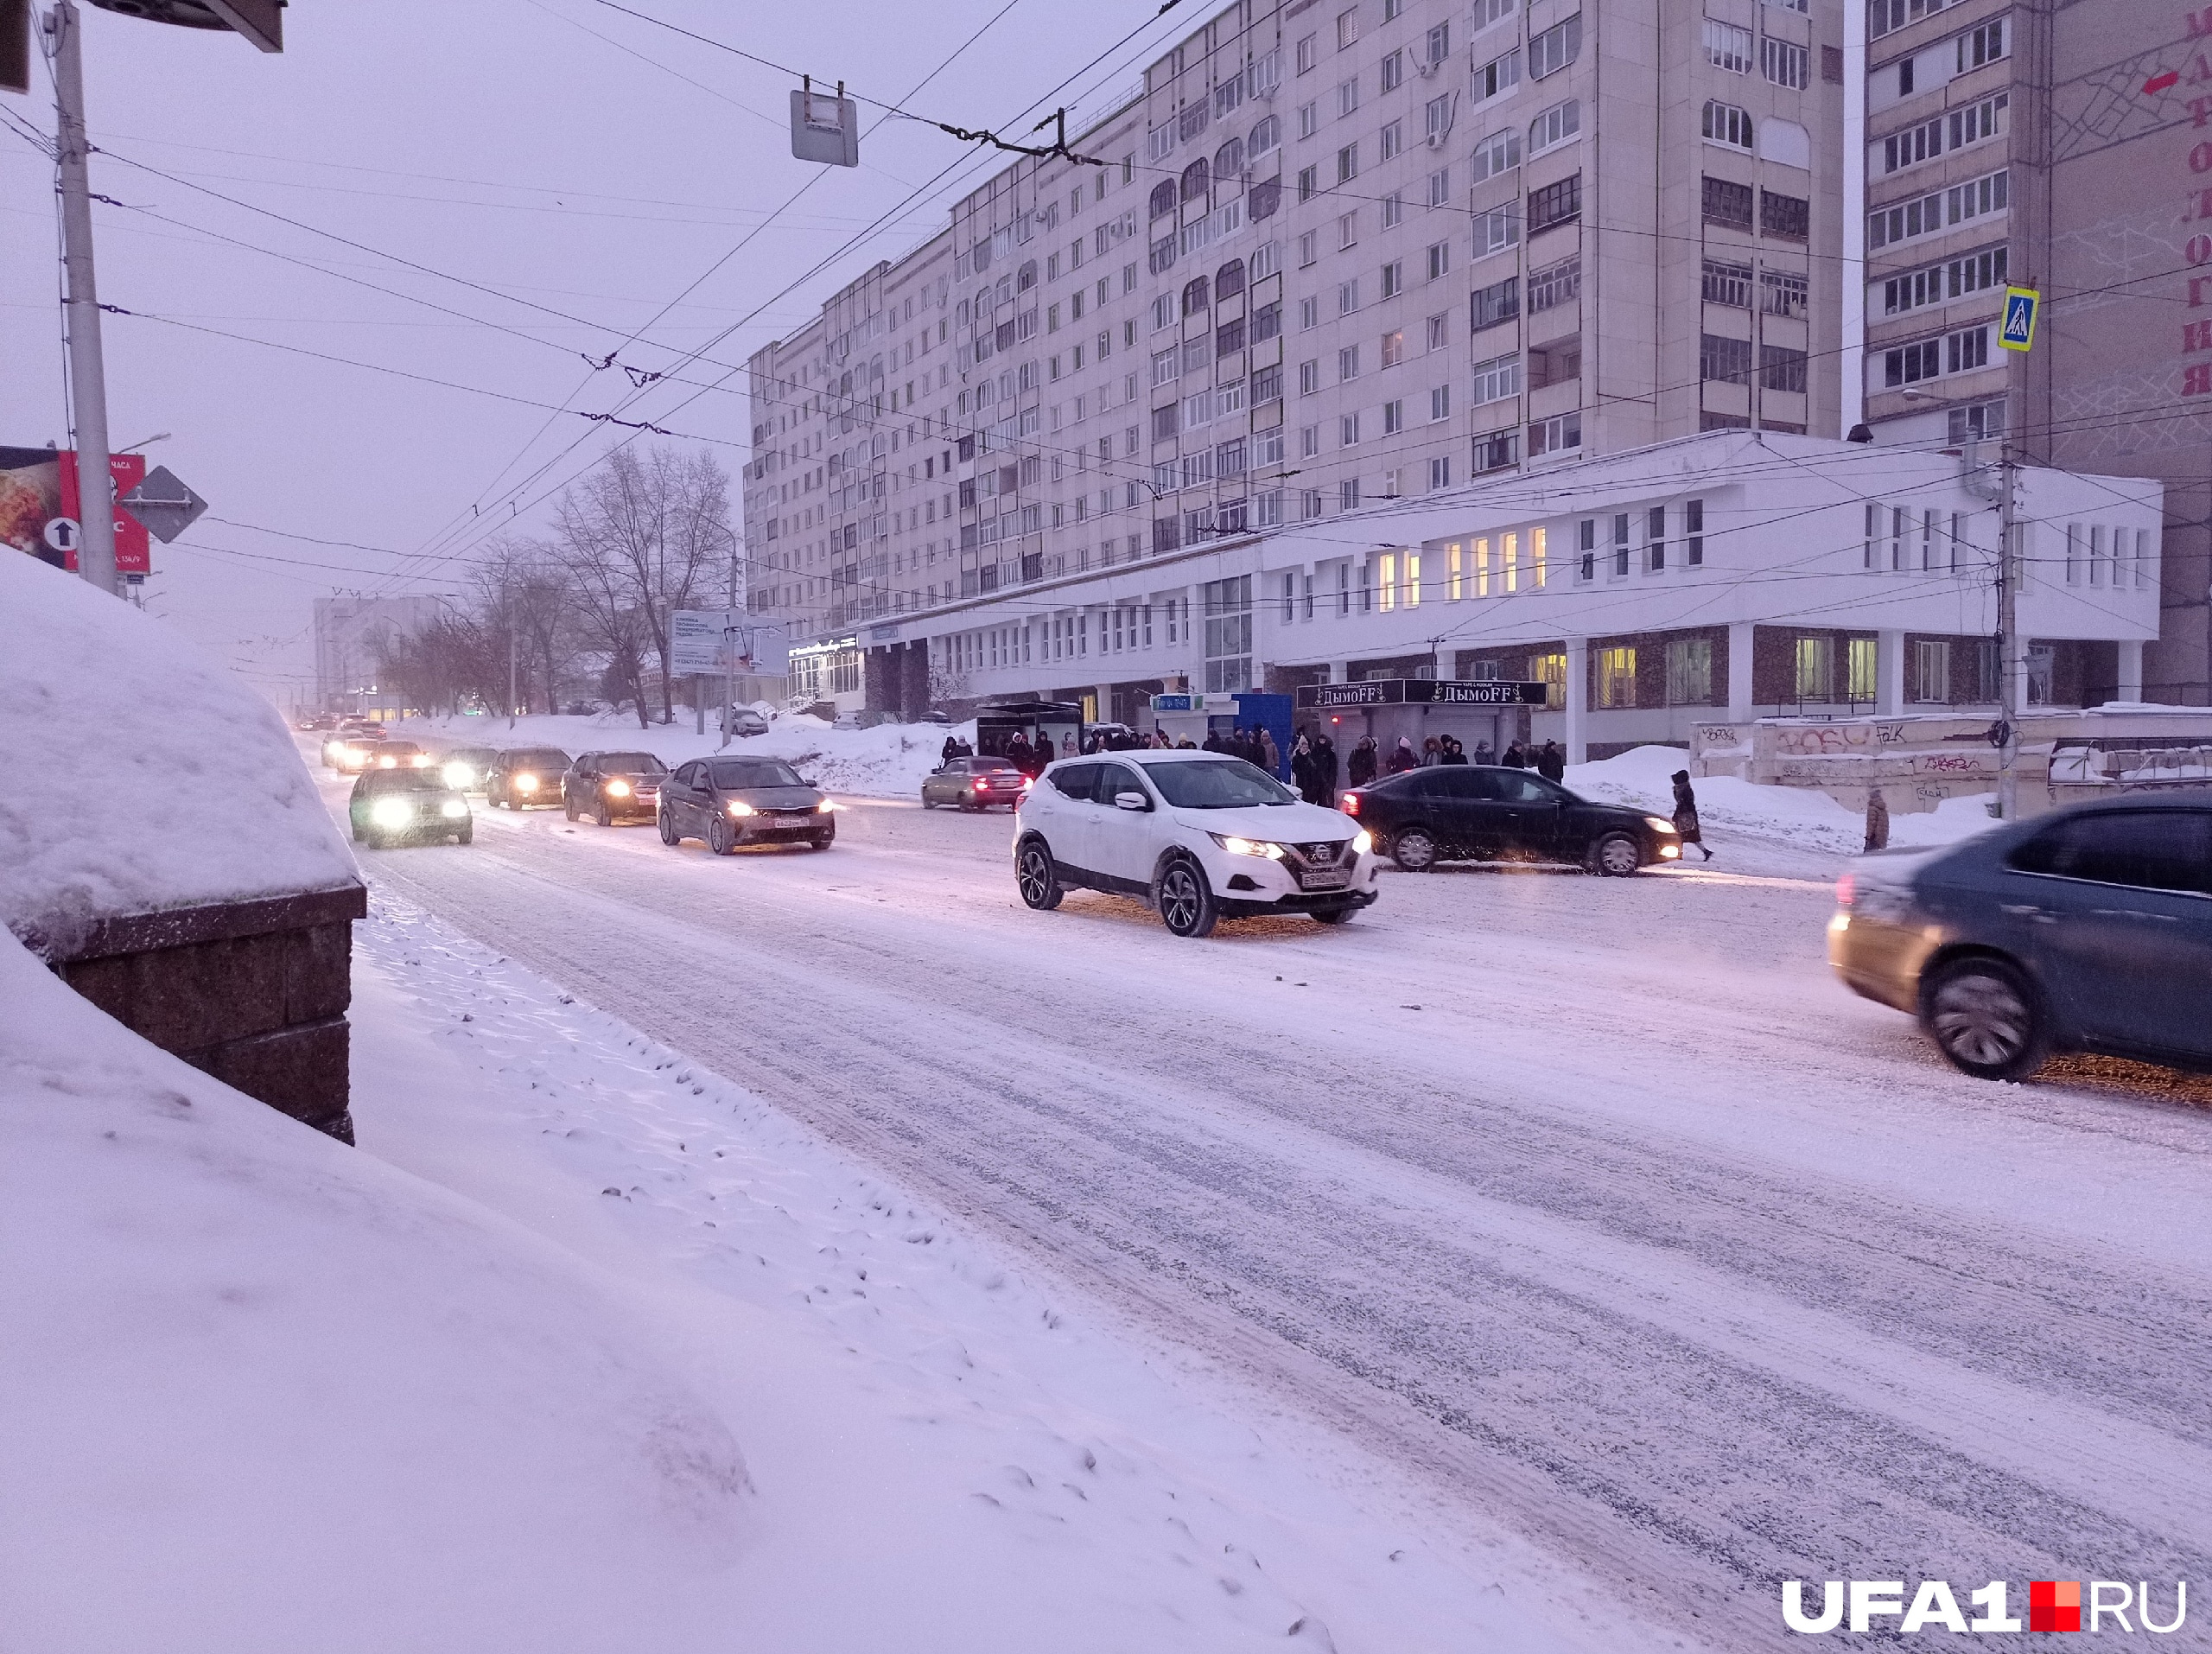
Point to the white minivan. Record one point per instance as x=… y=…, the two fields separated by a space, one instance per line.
x=1196 y=835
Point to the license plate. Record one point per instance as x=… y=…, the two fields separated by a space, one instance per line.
x=792 y=818
x=1324 y=879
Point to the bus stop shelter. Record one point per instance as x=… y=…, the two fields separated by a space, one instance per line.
x=1476 y=711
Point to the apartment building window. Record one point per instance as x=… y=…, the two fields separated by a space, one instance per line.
x=1984 y=119
x=1555 y=126
x=1497 y=230
x=1784 y=64
x=1394 y=347
x=1347 y=230
x=1393 y=204
x=1496 y=380
x=1309 y=119
x=1440 y=331
x=1304 y=55
x=1621 y=552
x=1440 y=402
x=1497 y=452
x=1437 y=45
x=1816 y=668
x=1689 y=671
x=1615 y=674
x=1931 y=671
x=1439 y=186
x=1394 y=417
x=1728 y=361
x=1726 y=204
x=1501 y=74
x=1348 y=164
x=1728 y=47
x=1978 y=422
x=1555 y=284
x=1976 y=198
x=1490 y=11
x=1556 y=48
x=1655 y=539
x=1557 y=434
x=1500 y=152
x=1347 y=27
x=1922 y=140
x=1308 y=248
x=1781 y=293
x=1985 y=43
x=1862 y=669
x=1436 y=120
x=1347 y=296
x=1267 y=322
x=1309 y=378
x=1786 y=217
x=1726 y=124
x=1555 y=204
x=1499 y=302
x=1904 y=220
x=1393 y=71
x=1228 y=610
x=1727 y=284
x=1348 y=494
x=1782 y=368
x=1394 y=278
x=1266 y=386
x=1348 y=363
x=1586 y=566
x=1439 y=259
x=1559 y=362
x=1966 y=350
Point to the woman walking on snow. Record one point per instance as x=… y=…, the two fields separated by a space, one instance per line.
x=1686 y=813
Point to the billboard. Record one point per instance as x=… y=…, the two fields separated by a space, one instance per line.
x=39 y=507
x=713 y=641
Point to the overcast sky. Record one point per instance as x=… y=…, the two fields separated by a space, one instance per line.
x=581 y=167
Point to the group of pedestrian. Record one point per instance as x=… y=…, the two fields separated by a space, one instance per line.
x=1313 y=768
x=1256 y=746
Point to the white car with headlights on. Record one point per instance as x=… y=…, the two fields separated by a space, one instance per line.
x=397 y=806
x=1196 y=835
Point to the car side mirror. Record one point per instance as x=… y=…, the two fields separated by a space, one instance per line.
x=808 y=781
x=1131 y=801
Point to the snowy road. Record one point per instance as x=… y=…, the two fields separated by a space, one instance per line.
x=1594 y=1206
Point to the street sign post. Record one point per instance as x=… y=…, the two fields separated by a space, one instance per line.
x=164 y=504
x=825 y=129
x=2019 y=331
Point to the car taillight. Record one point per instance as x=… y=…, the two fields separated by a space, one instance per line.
x=1350 y=804
x=1846 y=888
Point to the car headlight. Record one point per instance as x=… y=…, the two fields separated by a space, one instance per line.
x=420 y=760
x=458 y=775
x=525 y=784
x=453 y=809
x=1362 y=842
x=824 y=807
x=387 y=762
x=392 y=812
x=1237 y=846
x=1667 y=852
x=618 y=789
x=738 y=807
x=1659 y=824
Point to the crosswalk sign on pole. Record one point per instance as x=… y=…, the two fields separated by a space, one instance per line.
x=2021 y=304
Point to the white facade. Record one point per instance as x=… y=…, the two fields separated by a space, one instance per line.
x=1715 y=577
x=347 y=633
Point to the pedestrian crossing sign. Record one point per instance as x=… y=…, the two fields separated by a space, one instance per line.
x=2019 y=329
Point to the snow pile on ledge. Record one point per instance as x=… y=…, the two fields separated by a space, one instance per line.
x=261 y=1392
x=885 y=762
x=1804 y=817
x=141 y=775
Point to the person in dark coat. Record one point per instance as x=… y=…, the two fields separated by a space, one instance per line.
x=1454 y=752
x=1301 y=767
x=1017 y=751
x=1359 y=768
x=1324 y=770
x=1483 y=753
x=1403 y=757
x=951 y=751
x=1686 y=813
x=1212 y=742
x=1514 y=759
x=1878 y=820
x=1432 y=753
x=1551 y=762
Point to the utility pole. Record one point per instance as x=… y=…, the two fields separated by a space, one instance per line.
x=511 y=664
x=729 y=666
x=87 y=372
x=2011 y=657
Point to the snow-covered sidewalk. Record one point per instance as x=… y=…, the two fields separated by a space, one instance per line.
x=944 y=1455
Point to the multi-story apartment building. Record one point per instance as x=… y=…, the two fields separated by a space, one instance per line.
x=1328 y=254
x=2056 y=146
x=351 y=634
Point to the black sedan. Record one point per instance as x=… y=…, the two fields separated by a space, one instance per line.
x=2087 y=930
x=526 y=776
x=974 y=784
x=733 y=801
x=613 y=786
x=465 y=767
x=1481 y=812
x=403 y=805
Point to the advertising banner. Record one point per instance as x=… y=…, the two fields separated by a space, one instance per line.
x=31 y=498
x=713 y=641
x=134 y=553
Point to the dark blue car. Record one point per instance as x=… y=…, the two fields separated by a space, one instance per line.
x=2089 y=929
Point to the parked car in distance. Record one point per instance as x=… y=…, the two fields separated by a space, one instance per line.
x=728 y=802
x=934 y=717
x=613 y=786
x=465 y=768
x=2089 y=929
x=745 y=720
x=974 y=784
x=1471 y=813
x=524 y=777
x=397 y=756
x=394 y=806
x=1198 y=836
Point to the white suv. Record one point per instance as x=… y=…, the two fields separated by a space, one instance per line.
x=1197 y=835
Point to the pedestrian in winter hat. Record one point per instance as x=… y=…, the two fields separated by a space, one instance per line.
x=1686 y=813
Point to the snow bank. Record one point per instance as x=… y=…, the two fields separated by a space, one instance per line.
x=260 y=1392
x=1802 y=816
x=141 y=775
x=885 y=762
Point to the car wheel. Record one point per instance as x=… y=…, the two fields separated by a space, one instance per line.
x=1186 y=903
x=719 y=839
x=1414 y=849
x=928 y=803
x=568 y=806
x=605 y=816
x=467 y=835
x=1036 y=877
x=1982 y=1015
x=1335 y=915
x=822 y=843
x=667 y=824
x=1616 y=856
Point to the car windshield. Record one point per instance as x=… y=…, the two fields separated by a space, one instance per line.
x=1224 y=784
x=545 y=759
x=753 y=772
x=631 y=764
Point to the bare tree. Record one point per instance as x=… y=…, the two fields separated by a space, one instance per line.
x=639 y=538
